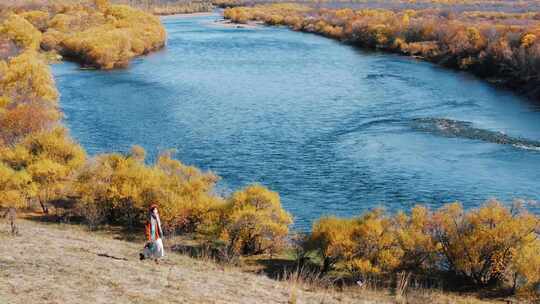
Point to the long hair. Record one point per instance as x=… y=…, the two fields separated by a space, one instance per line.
x=154 y=217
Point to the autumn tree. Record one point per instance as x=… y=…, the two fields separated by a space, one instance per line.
x=256 y=223
x=525 y=267
x=122 y=187
x=15 y=188
x=50 y=159
x=331 y=239
x=19 y=120
x=376 y=250
x=22 y=32
x=414 y=238
x=27 y=79
x=481 y=244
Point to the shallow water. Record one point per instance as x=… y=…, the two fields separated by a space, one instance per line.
x=333 y=129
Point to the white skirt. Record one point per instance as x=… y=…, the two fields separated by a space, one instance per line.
x=157 y=250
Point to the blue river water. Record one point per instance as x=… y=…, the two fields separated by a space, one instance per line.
x=335 y=130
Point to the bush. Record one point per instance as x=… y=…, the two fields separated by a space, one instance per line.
x=21 y=32
x=480 y=244
x=123 y=187
x=254 y=222
x=331 y=239
x=126 y=33
x=28 y=79
x=15 y=187
x=484 y=246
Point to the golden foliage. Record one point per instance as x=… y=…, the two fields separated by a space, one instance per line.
x=49 y=158
x=38 y=160
x=526 y=265
x=123 y=188
x=255 y=222
x=38 y=19
x=528 y=40
x=27 y=97
x=481 y=245
x=105 y=39
x=331 y=237
x=15 y=187
x=28 y=79
x=23 y=119
x=21 y=32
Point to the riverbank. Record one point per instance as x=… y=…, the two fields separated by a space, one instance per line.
x=187 y=15
x=498 y=47
x=218 y=22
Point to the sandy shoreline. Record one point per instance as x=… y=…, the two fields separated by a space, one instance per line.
x=219 y=22
x=228 y=24
x=189 y=15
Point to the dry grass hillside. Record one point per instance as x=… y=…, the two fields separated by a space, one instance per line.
x=61 y=263
x=54 y=263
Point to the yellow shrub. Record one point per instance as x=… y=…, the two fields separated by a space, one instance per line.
x=15 y=187
x=21 y=31
x=102 y=5
x=107 y=38
x=20 y=120
x=123 y=187
x=256 y=223
x=526 y=264
x=28 y=78
x=39 y=19
x=480 y=244
x=331 y=237
x=414 y=238
x=375 y=242
x=49 y=158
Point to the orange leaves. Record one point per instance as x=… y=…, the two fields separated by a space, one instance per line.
x=15 y=187
x=482 y=245
x=365 y=244
x=237 y=15
x=526 y=266
x=25 y=119
x=27 y=99
x=48 y=158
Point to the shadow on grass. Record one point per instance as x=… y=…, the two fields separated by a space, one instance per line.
x=276 y=268
x=118 y=232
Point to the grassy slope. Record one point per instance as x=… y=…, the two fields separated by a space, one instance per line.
x=60 y=263
x=54 y=263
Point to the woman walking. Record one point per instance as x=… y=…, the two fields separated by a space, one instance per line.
x=154 y=235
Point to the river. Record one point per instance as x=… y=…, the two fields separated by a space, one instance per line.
x=335 y=130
